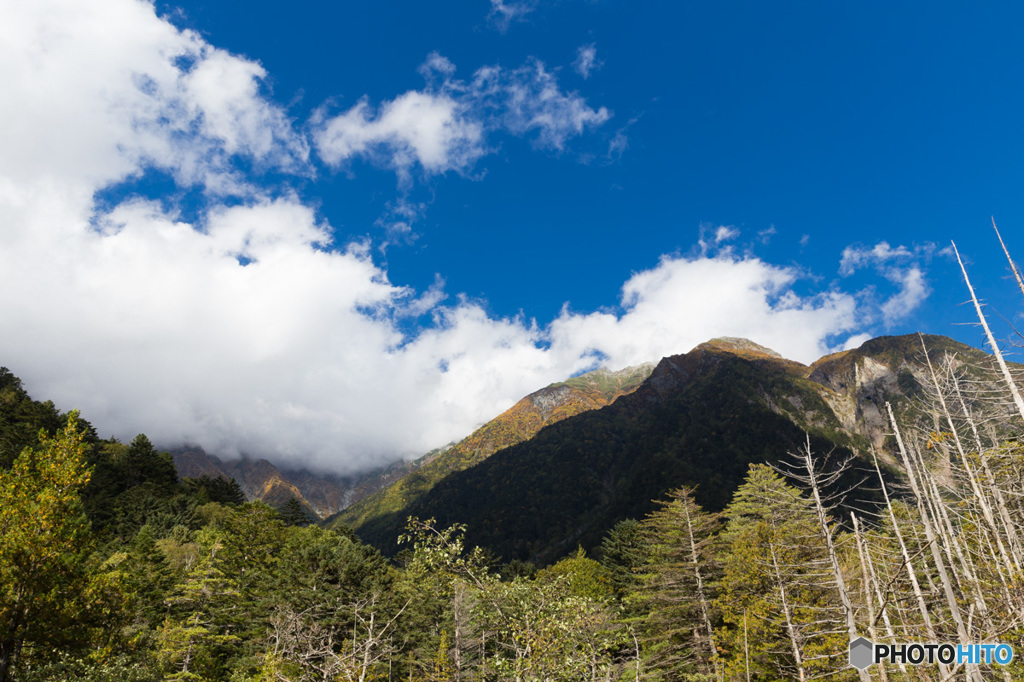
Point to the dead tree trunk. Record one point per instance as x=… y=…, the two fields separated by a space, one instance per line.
x=973 y=672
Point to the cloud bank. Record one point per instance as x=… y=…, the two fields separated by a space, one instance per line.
x=251 y=327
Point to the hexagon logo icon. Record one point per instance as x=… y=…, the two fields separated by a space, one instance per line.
x=860 y=653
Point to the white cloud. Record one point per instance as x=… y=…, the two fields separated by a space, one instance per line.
x=398 y=221
x=713 y=239
x=504 y=12
x=247 y=329
x=856 y=341
x=417 y=127
x=527 y=100
x=765 y=235
x=725 y=232
x=899 y=265
x=618 y=145
x=685 y=301
x=444 y=127
x=586 y=60
x=913 y=291
x=93 y=90
x=856 y=257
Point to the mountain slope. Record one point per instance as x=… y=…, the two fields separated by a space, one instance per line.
x=519 y=423
x=321 y=494
x=700 y=419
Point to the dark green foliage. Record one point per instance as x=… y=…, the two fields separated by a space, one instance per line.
x=214 y=489
x=908 y=383
x=517 y=568
x=134 y=485
x=148 y=577
x=292 y=513
x=141 y=462
x=623 y=554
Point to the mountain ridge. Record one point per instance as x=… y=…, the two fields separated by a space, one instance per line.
x=700 y=418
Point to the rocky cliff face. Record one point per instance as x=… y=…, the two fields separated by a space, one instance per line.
x=858 y=382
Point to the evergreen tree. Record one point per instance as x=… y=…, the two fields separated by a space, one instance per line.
x=206 y=488
x=623 y=553
x=781 y=615
x=292 y=513
x=675 y=592
x=192 y=635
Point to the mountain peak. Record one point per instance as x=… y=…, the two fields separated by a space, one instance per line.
x=610 y=383
x=739 y=345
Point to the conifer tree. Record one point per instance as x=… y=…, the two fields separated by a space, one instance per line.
x=776 y=595
x=623 y=555
x=675 y=593
x=190 y=637
x=292 y=513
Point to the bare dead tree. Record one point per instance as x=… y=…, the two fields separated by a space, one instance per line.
x=1018 y=401
x=812 y=479
x=315 y=643
x=974 y=673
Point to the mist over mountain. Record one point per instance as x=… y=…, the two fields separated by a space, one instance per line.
x=324 y=494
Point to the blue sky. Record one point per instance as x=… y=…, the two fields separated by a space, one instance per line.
x=848 y=124
x=339 y=233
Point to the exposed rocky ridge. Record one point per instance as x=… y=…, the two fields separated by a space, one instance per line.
x=888 y=368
